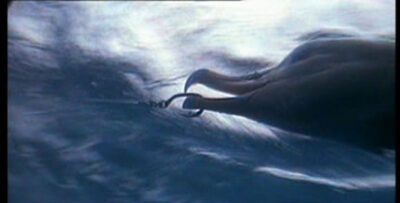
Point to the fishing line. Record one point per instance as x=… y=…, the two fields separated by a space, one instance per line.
x=153 y=104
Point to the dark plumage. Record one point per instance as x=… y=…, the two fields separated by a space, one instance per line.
x=342 y=89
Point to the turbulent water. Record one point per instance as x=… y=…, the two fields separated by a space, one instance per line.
x=72 y=137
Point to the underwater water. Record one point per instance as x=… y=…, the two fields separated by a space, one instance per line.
x=75 y=134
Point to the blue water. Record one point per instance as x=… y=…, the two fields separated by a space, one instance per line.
x=67 y=142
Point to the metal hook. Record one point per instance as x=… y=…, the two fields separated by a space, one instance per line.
x=166 y=103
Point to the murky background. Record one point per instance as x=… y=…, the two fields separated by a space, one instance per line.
x=68 y=142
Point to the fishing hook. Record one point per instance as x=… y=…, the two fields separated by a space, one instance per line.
x=165 y=103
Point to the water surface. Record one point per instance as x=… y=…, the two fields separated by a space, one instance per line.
x=69 y=143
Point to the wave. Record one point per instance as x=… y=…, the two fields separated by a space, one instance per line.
x=373 y=182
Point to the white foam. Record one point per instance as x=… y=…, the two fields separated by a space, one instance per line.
x=372 y=182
